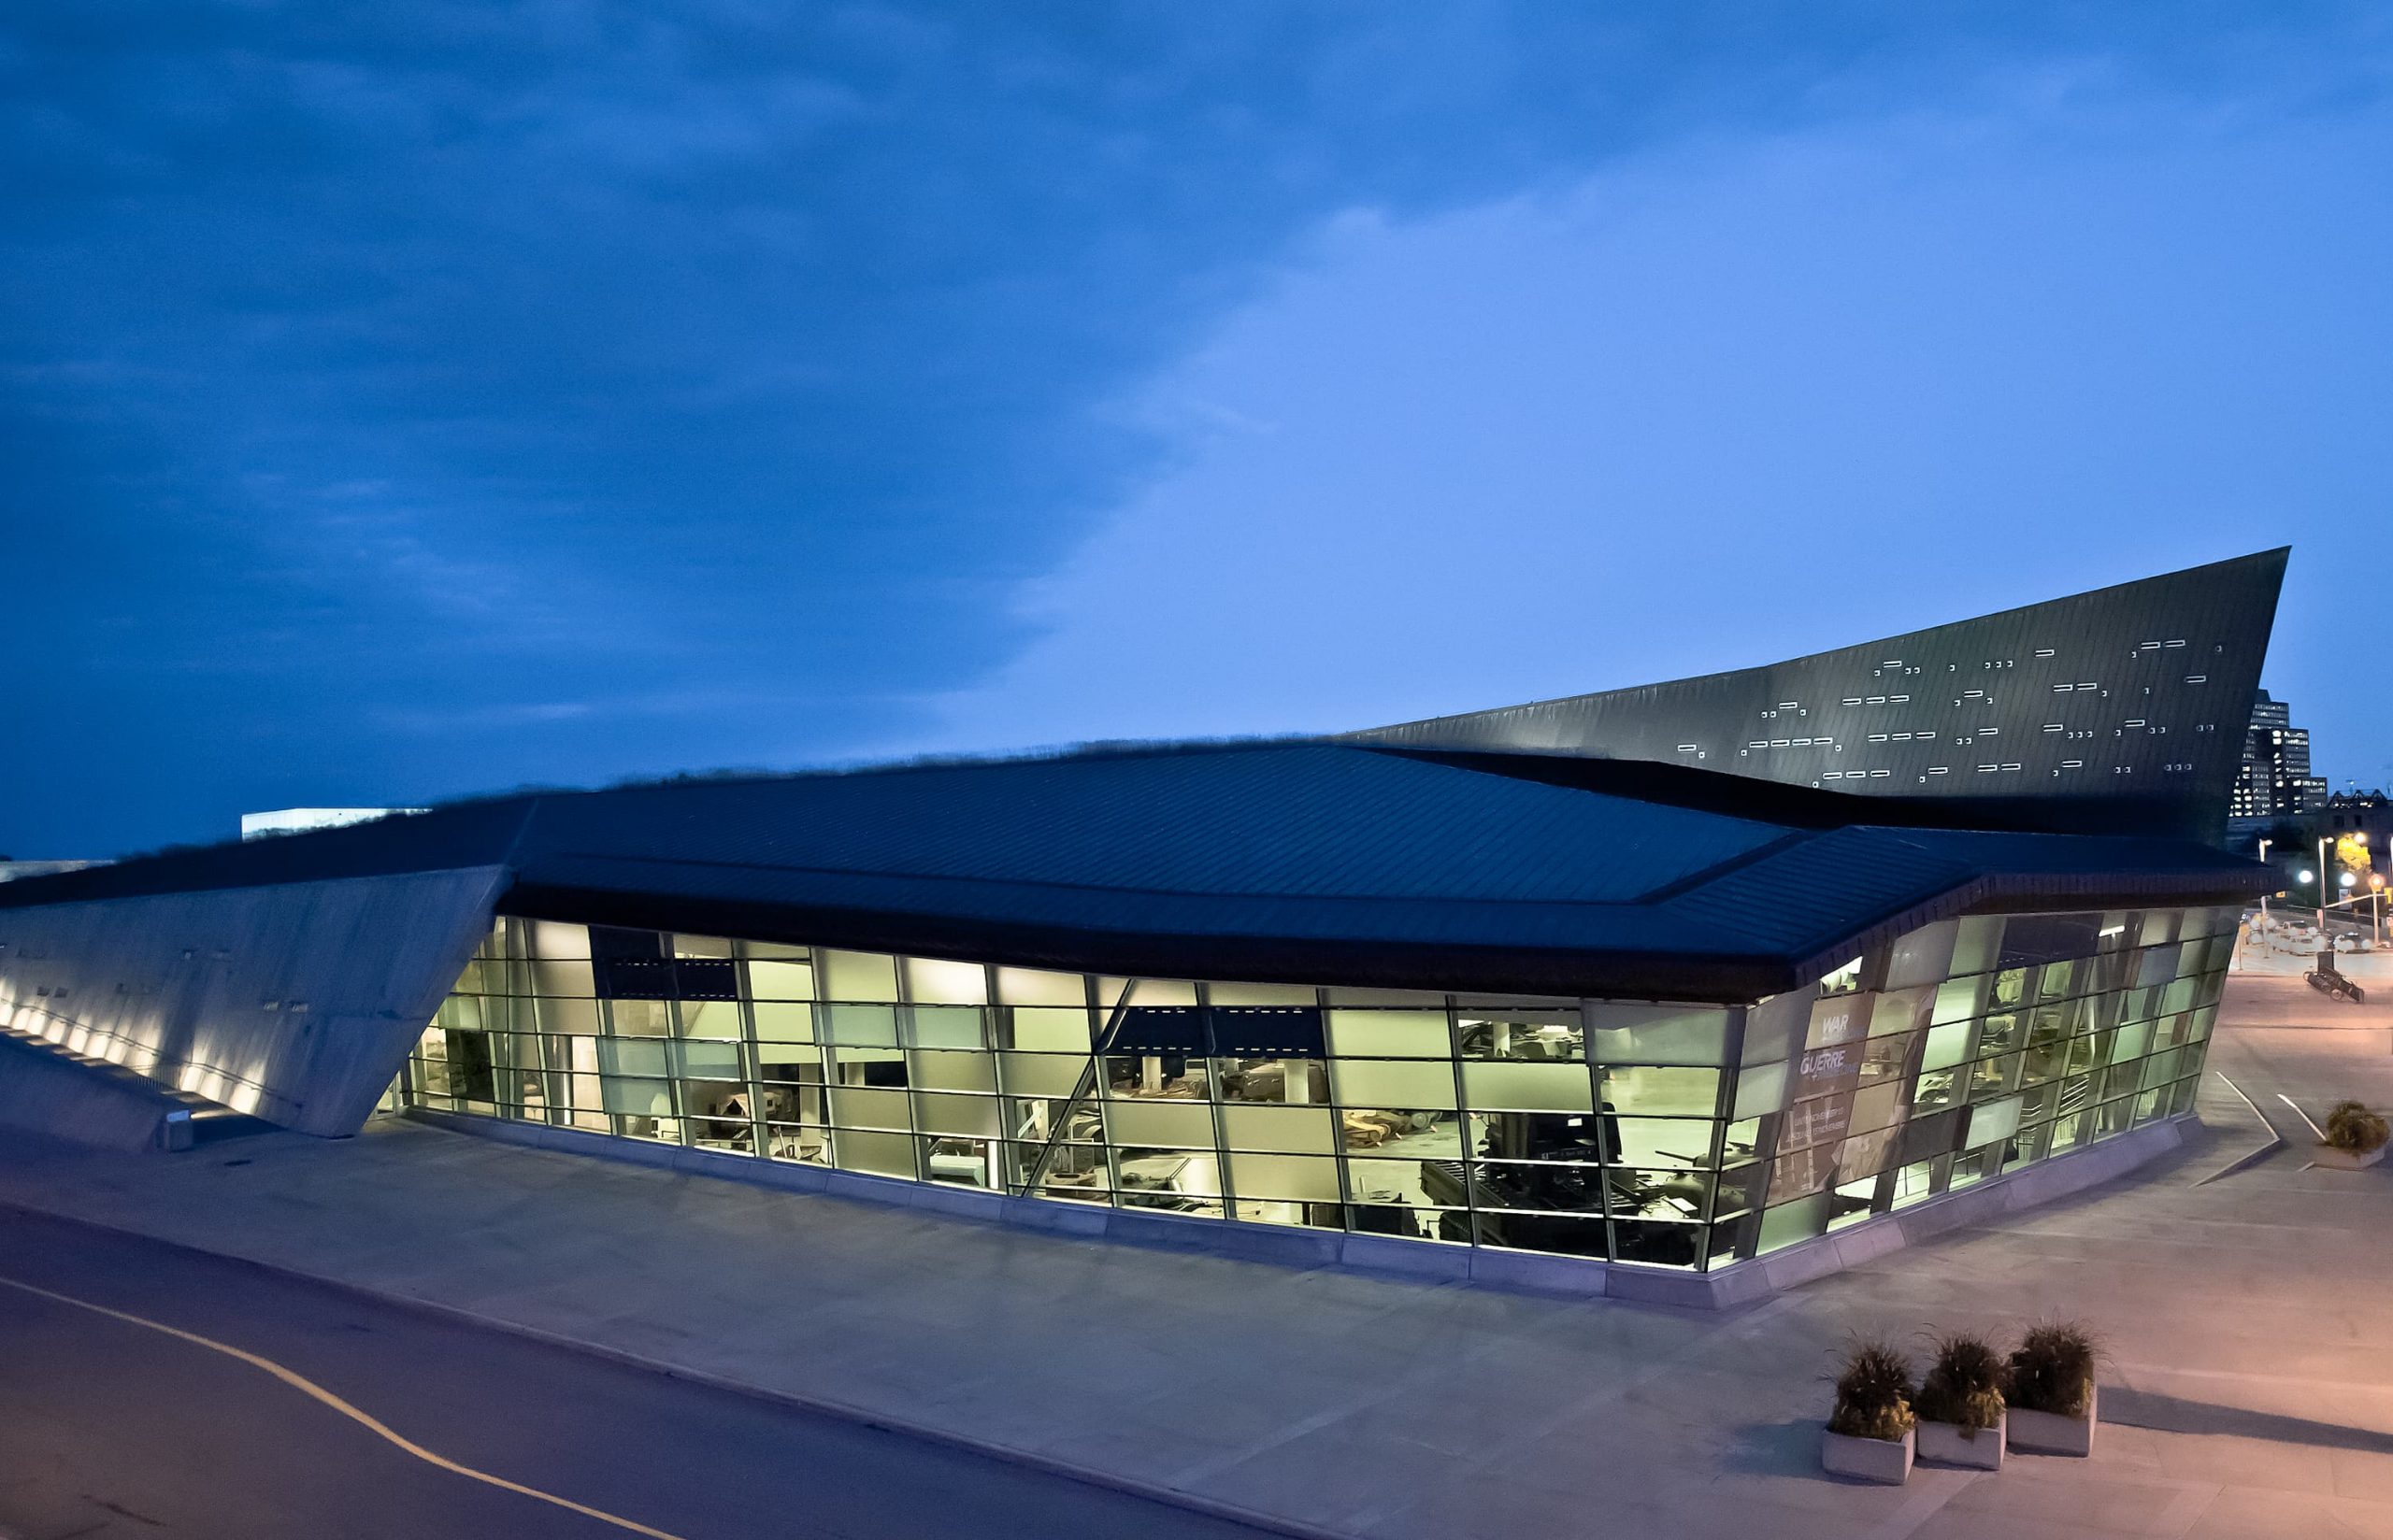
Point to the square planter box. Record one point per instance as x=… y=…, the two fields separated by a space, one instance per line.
x=2331 y=1158
x=1950 y=1444
x=1866 y=1459
x=2048 y=1432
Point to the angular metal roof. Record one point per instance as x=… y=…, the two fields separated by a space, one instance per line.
x=2120 y=708
x=1304 y=861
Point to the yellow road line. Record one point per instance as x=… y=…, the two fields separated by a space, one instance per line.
x=301 y=1382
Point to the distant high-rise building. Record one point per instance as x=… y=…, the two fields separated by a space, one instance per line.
x=2277 y=781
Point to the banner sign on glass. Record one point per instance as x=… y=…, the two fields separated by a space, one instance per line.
x=1825 y=1075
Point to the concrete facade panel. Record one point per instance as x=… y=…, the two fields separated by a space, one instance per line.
x=295 y=1002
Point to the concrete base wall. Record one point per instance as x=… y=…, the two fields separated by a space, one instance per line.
x=295 y=1002
x=1740 y=1283
x=44 y=1092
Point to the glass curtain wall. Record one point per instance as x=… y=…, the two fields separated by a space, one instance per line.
x=1674 y=1135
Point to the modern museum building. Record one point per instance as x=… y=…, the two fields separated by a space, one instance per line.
x=1643 y=989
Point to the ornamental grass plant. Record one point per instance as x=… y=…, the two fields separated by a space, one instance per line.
x=1963 y=1385
x=1873 y=1393
x=2051 y=1370
x=2353 y=1129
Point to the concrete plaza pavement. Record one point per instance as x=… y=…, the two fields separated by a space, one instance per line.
x=112 y=1430
x=2250 y=1392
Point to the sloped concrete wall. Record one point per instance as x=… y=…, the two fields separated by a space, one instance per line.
x=91 y=1105
x=294 y=1003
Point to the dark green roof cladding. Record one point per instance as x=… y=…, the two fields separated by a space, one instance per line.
x=1301 y=861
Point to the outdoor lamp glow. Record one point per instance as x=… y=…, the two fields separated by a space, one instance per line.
x=2303 y=873
x=2344 y=880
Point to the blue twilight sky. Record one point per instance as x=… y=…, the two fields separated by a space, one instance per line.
x=406 y=401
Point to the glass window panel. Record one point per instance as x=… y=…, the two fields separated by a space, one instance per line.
x=640 y=1017
x=1394 y=999
x=1659 y=1141
x=1410 y=1183
x=1164 y=1076
x=1160 y=1122
x=1947 y=1045
x=1876 y=1106
x=1977 y=943
x=783 y=1021
x=1284 y=1178
x=878 y=1154
x=859 y=975
x=569 y=1016
x=701 y=1060
x=700 y=945
x=2130 y=1041
x=806 y=1101
x=1042 y=1074
x=942 y=1113
x=868 y=1106
x=1038 y=987
x=930 y=1071
x=1390 y=1035
x=554 y=939
x=1655 y=1035
x=1528 y=1087
x=1432 y=1133
x=718 y=1113
x=1994 y=1120
x=1295 y=1129
x=1186 y=1182
x=1370 y=1082
x=802 y=1145
x=562 y=979
x=1259 y=994
x=1958 y=1000
x=713 y=1019
x=1789 y=1222
x=1761 y=1090
x=1900 y=1010
x=1923 y=956
x=947 y=1026
x=1775 y=1027
x=865 y=1026
x=1662 y=1092
x=1993 y=1077
x=1049 y=1029
x=651 y=1098
x=1529 y=1037
x=1293 y=1081
x=627 y=1056
x=780 y=980
x=930 y=982
x=1145 y=992
x=963 y=1161
x=2000 y=1033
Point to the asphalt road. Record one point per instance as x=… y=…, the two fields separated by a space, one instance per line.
x=112 y=1429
